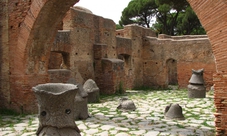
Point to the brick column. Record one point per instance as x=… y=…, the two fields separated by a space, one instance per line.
x=220 y=100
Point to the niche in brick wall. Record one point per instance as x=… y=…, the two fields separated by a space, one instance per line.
x=171 y=65
x=127 y=63
x=58 y=68
x=59 y=60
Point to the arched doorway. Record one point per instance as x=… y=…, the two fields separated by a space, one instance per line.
x=33 y=47
x=171 y=65
x=127 y=63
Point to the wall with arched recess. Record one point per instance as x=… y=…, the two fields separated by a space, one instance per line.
x=30 y=49
x=213 y=16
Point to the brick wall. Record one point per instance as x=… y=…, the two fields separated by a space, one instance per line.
x=113 y=76
x=188 y=53
x=184 y=71
x=213 y=17
x=59 y=75
x=4 y=55
x=220 y=95
x=26 y=30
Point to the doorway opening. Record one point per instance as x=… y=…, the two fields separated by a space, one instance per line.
x=59 y=60
x=172 y=71
x=127 y=62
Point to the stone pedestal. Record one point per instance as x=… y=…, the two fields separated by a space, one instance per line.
x=56 y=106
x=196 y=91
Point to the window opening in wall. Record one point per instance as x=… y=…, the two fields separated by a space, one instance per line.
x=172 y=71
x=127 y=63
x=59 y=60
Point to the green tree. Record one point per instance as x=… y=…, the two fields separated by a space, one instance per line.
x=173 y=17
x=188 y=23
x=139 y=12
x=168 y=12
x=119 y=26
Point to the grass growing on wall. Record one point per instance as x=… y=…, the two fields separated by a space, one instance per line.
x=120 y=88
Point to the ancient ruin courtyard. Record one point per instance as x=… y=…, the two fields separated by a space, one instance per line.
x=146 y=120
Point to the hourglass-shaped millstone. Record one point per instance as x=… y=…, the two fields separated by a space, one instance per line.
x=56 y=106
x=197 y=77
x=196 y=88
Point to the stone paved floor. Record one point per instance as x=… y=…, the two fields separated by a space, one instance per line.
x=146 y=120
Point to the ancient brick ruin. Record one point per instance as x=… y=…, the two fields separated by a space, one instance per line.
x=41 y=44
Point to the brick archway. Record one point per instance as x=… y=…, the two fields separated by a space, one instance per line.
x=213 y=16
x=35 y=35
x=38 y=30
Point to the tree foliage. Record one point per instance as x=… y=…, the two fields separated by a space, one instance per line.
x=173 y=17
x=138 y=12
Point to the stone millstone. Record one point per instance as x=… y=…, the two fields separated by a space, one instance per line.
x=126 y=104
x=174 y=111
x=56 y=106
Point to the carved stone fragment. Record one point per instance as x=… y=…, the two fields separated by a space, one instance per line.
x=93 y=91
x=81 y=108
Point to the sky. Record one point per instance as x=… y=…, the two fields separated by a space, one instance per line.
x=106 y=8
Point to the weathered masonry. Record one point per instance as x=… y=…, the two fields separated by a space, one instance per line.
x=40 y=43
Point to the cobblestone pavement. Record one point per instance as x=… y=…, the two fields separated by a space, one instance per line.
x=147 y=120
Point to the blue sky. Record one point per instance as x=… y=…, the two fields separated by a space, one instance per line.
x=106 y=8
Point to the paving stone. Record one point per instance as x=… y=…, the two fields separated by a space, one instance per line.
x=104 y=133
x=79 y=122
x=152 y=133
x=93 y=126
x=113 y=132
x=109 y=116
x=196 y=121
x=132 y=116
x=107 y=127
x=2 y=133
x=206 y=128
x=121 y=128
x=33 y=129
x=6 y=129
x=82 y=126
x=164 y=134
x=138 y=132
x=147 y=119
x=91 y=131
x=210 y=123
x=133 y=127
x=187 y=133
x=118 y=119
x=19 y=128
x=29 y=134
x=145 y=123
x=122 y=134
x=112 y=113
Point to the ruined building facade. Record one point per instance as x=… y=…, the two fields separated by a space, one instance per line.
x=37 y=47
x=88 y=46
